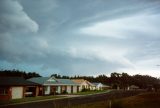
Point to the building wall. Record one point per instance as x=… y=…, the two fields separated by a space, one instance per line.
x=84 y=85
x=37 y=91
x=63 y=89
x=80 y=88
x=46 y=90
x=74 y=89
x=92 y=87
x=69 y=89
x=5 y=93
x=59 y=90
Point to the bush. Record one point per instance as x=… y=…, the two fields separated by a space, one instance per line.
x=85 y=90
x=64 y=92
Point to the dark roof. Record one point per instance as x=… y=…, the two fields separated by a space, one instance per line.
x=39 y=80
x=94 y=83
x=53 y=81
x=97 y=83
x=15 y=81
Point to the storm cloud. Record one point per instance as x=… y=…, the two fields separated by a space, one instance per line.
x=80 y=37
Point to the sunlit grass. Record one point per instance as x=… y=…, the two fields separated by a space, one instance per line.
x=92 y=92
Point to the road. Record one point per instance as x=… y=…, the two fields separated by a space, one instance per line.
x=67 y=102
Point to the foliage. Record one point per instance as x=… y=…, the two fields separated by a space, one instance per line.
x=17 y=73
x=85 y=90
x=121 y=80
x=64 y=92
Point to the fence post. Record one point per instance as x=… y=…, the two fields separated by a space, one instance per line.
x=110 y=104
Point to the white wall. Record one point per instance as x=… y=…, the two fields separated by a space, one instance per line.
x=92 y=87
x=74 y=89
x=69 y=89
x=80 y=88
x=99 y=86
x=59 y=89
x=86 y=86
x=47 y=90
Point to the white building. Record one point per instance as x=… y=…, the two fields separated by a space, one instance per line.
x=98 y=86
x=52 y=85
x=83 y=84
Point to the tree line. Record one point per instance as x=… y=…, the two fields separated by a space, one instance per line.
x=18 y=73
x=122 y=80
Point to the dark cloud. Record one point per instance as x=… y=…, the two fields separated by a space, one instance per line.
x=48 y=36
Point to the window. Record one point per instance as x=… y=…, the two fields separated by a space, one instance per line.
x=3 y=91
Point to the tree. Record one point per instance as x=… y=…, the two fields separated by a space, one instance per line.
x=18 y=73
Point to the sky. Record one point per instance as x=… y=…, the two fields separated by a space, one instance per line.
x=80 y=37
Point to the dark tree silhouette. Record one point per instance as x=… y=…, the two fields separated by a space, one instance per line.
x=18 y=73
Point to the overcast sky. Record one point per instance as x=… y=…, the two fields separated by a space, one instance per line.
x=80 y=37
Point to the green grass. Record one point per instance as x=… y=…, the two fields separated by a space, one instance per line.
x=30 y=99
x=92 y=92
x=39 y=98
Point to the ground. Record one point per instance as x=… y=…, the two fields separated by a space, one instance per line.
x=144 y=100
x=88 y=101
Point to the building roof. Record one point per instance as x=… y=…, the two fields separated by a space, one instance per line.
x=39 y=80
x=45 y=80
x=78 y=81
x=94 y=83
x=15 y=81
x=66 y=82
x=52 y=81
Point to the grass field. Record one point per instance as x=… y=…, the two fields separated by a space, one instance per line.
x=145 y=100
x=41 y=98
x=92 y=92
x=29 y=99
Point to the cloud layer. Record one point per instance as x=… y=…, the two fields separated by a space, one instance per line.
x=80 y=37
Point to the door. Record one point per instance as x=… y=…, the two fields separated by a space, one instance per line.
x=17 y=92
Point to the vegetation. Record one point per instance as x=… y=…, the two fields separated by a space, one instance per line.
x=120 y=80
x=115 y=80
x=87 y=92
x=17 y=73
x=145 y=100
x=30 y=99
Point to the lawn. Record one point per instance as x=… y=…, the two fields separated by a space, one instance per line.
x=30 y=99
x=92 y=92
x=145 y=100
x=42 y=98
